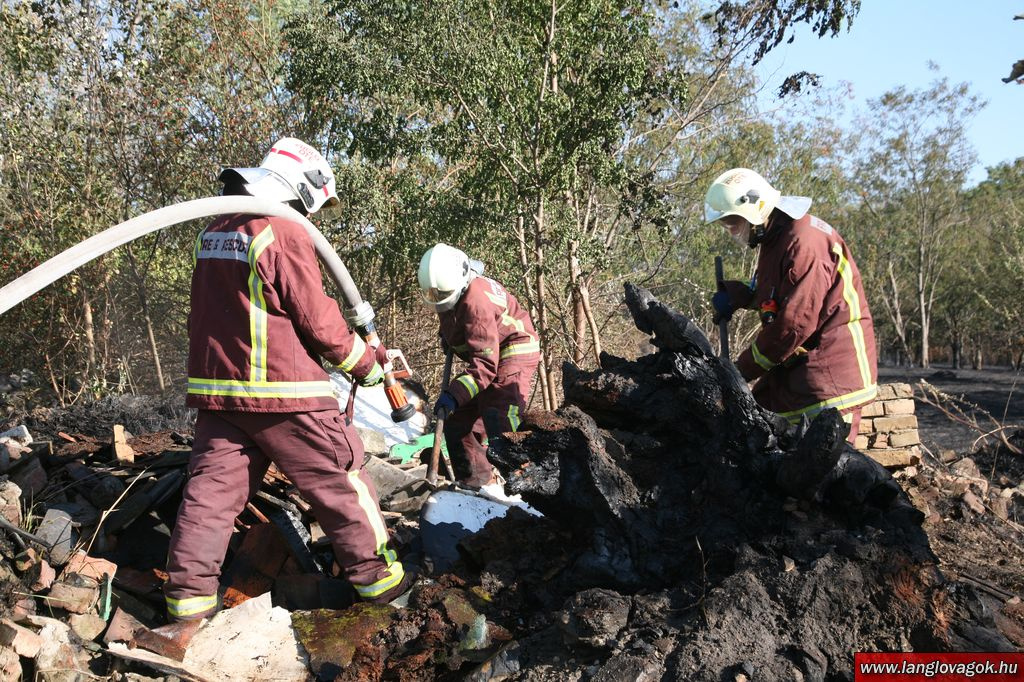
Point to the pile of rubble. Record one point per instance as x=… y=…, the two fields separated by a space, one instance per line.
x=687 y=534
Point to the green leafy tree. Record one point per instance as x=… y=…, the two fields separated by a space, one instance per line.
x=913 y=165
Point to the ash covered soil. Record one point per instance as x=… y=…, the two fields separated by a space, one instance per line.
x=691 y=535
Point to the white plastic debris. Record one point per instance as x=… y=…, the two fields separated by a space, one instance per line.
x=372 y=411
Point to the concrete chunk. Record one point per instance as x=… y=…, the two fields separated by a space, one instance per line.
x=56 y=530
x=387 y=478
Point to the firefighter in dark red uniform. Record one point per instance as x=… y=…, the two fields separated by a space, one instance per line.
x=485 y=326
x=259 y=325
x=816 y=346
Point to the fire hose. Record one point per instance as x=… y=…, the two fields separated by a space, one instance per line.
x=358 y=312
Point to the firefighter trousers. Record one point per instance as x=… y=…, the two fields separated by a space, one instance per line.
x=493 y=411
x=320 y=454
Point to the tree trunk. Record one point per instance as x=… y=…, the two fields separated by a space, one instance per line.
x=548 y=378
x=140 y=291
x=90 y=333
x=579 y=322
x=531 y=297
x=595 y=331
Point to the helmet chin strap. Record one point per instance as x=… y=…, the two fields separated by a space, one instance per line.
x=758 y=232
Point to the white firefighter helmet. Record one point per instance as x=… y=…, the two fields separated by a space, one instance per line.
x=291 y=171
x=444 y=274
x=741 y=192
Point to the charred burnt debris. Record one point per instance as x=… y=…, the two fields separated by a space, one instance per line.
x=687 y=534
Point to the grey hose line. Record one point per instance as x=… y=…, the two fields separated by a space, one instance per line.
x=45 y=274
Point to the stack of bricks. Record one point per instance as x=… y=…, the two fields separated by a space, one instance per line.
x=888 y=428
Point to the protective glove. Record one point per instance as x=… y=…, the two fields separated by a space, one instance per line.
x=445 y=405
x=722 y=305
x=373 y=377
x=381 y=354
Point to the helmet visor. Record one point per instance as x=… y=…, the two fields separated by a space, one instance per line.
x=435 y=295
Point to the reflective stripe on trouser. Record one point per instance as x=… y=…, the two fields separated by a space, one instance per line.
x=316 y=451
x=495 y=410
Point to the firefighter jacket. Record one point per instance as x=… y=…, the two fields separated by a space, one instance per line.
x=487 y=328
x=818 y=349
x=260 y=321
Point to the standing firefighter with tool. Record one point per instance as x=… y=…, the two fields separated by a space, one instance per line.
x=258 y=325
x=816 y=345
x=485 y=326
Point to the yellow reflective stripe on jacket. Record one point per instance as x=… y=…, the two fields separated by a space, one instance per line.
x=854 y=325
x=762 y=361
x=258 y=308
x=470 y=384
x=523 y=348
x=842 y=402
x=195 y=248
x=260 y=389
x=354 y=356
x=513 y=417
x=513 y=349
x=190 y=606
x=500 y=301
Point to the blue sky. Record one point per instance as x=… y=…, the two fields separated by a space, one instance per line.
x=891 y=43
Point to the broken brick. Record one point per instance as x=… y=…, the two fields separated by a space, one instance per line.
x=73 y=598
x=123 y=627
x=88 y=626
x=89 y=567
x=42 y=576
x=30 y=477
x=902 y=439
x=900 y=406
x=24 y=642
x=10 y=665
x=122 y=451
x=258 y=560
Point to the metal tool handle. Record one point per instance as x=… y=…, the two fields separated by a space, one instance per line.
x=723 y=324
x=435 y=453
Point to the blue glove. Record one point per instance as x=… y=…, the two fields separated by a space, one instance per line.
x=445 y=405
x=722 y=305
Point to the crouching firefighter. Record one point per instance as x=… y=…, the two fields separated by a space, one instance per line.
x=259 y=325
x=484 y=325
